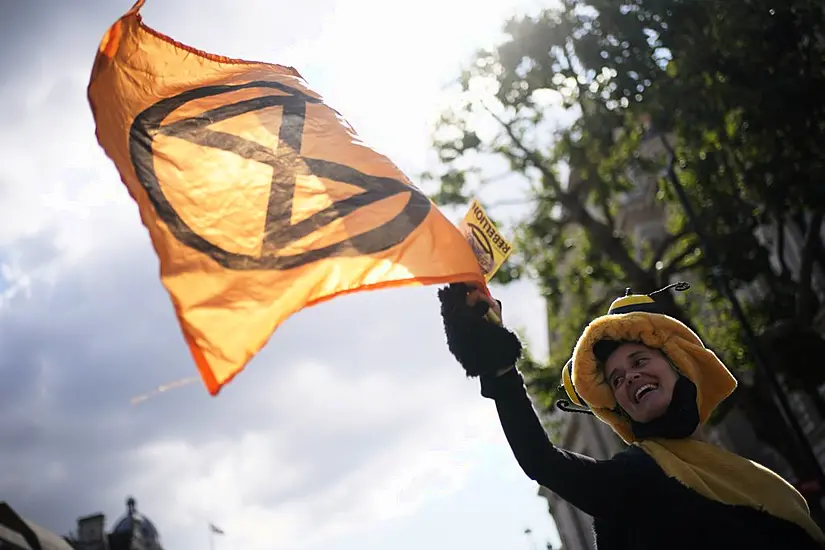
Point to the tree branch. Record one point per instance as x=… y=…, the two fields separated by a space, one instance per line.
x=780 y=247
x=601 y=233
x=530 y=155
x=512 y=202
x=684 y=266
x=605 y=206
x=677 y=264
x=805 y=296
x=819 y=254
x=498 y=177
x=665 y=245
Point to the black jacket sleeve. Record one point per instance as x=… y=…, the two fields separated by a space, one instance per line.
x=601 y=488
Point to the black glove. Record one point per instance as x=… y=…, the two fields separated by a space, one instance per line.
x=481 y=346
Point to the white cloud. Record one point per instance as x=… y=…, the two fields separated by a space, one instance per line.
x=258 y=489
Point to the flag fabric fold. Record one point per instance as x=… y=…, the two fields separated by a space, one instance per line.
x=259 y=199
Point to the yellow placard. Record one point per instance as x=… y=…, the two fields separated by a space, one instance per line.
x=490 y=247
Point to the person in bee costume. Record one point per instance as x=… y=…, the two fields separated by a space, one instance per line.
x=650 y=378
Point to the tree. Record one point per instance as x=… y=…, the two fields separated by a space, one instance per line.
x=752 y=161
x=577 y=88
x=735 y=70
x=572 y=243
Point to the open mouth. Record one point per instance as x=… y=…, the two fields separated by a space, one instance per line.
x=644 y=390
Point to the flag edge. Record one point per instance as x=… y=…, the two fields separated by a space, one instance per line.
x=214 y=387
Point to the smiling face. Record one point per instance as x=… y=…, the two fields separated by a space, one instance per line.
x=641 y=380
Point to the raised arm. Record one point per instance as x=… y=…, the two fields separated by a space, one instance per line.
x=599 y=488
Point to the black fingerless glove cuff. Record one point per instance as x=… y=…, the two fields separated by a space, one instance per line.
x=479 y=345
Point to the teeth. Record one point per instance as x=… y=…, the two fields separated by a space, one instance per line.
x=643 y=388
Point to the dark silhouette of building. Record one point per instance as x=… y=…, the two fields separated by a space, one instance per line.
x=133 y=531
x=18 y=533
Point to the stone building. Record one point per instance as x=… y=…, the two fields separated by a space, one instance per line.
x=133 y=531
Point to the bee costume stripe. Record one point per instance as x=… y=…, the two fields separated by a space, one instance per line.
x=666 y=490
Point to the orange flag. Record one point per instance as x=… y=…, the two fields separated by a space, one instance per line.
x=260 y=200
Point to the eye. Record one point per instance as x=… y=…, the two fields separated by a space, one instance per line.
x=617 y=381
x=639 y=361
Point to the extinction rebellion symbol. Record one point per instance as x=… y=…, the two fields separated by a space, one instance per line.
x=287 y=164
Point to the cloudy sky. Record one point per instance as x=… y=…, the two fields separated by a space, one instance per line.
x=346 y=431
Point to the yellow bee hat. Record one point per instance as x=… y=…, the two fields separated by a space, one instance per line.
x=638 y=318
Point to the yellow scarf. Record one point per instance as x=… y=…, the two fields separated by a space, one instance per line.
x=728 y=478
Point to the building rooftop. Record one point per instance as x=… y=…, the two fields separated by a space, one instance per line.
x=15 y=527
x=137 y=523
